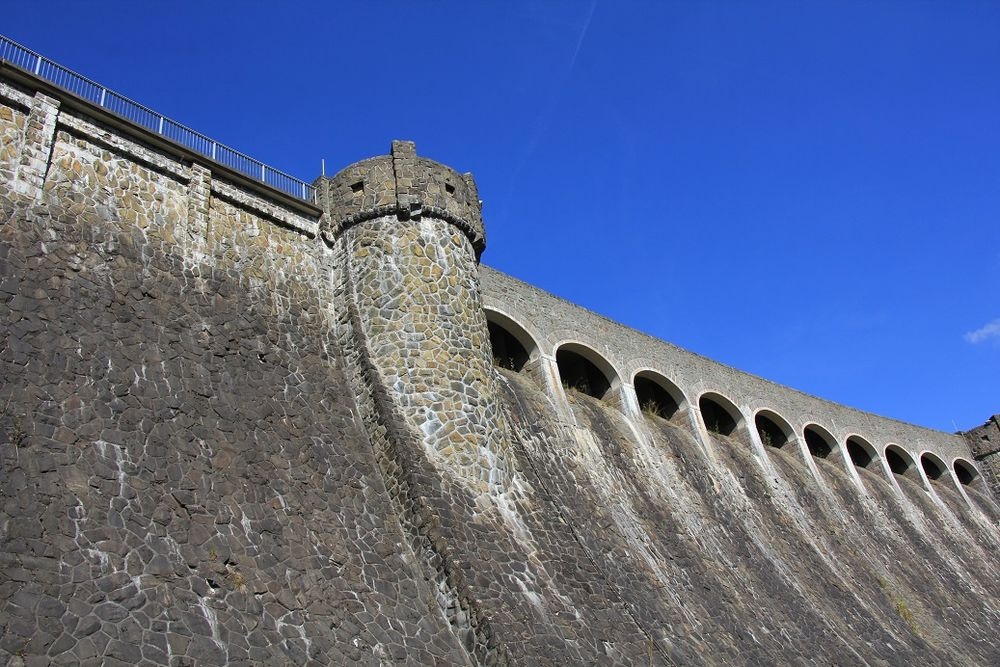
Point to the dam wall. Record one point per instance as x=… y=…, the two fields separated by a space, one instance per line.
x=240 y=426
x=547 y=323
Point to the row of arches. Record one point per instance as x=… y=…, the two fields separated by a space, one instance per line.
x=582 y=369
x=776 y=432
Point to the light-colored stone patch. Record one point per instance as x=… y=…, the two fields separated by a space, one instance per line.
x=123 y=145
x=417 y=292
x=276 y=212
x=12 y=123
x=266 y=253
x=101 y=182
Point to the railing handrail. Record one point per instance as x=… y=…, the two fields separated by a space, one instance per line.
x=184 y=135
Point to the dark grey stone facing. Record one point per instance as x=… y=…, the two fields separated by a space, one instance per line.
x=184 y=480
x=205 y=462
x=550 y=321
x=984 y=441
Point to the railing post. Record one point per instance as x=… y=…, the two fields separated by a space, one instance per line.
x=263 y=172
x=213 y=150
x=104 y=92
x=38 y=64
x=161 y=125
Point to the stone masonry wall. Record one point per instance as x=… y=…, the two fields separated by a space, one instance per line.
x=236 y=429
x=415 y=290
x=184 y=479
x=550 y=321
x=984 y=442
x=413 y=325
x=13 y=120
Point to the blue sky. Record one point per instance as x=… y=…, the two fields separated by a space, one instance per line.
x=806 y=191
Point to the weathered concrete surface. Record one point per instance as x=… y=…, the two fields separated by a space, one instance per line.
x=232 y=433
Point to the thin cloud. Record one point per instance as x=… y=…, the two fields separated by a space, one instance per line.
x=991 y=330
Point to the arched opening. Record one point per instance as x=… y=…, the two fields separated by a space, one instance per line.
x=819 y=441
x=658 y=397
x=900 y=463
x=967 y=473
x=507 y=351
x=933 y=467
x=512 y=346
x=580 y=370
x=861 y=452
x=772 y=429
x=719 y=415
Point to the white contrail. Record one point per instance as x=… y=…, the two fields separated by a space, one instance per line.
x=545 y=114
x=582 y=36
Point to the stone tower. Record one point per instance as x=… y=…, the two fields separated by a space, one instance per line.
x=407 y=234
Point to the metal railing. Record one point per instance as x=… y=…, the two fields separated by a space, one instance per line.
x=130 y=110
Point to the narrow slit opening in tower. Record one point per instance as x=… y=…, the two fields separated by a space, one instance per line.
x=717 y=419
x=932 y=468
x=817 y=444
x=897 y=462
x=580 y=374
x=654 y=400
x=860 y=455
x=507 y=349
x=771 y=435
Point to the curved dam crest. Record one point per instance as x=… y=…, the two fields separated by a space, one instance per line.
x=242 y=428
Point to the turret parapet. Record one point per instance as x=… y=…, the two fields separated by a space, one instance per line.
x=405 y=185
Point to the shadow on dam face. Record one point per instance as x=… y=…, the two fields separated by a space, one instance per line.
x=861 y=452
x=508 y=352
x=718 y=419
x=581 y=374
x=772 y=429
x=657 y=396
x=820 y=443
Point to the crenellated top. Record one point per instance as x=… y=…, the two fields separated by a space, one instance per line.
x=405 y=185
